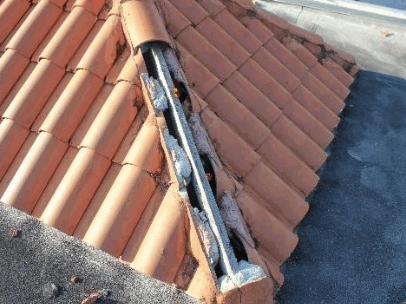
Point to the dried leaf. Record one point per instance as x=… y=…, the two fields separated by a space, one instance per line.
x=385 y=33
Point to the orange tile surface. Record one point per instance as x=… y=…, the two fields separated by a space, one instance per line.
x=81 y=148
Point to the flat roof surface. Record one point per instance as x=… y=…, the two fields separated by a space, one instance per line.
x=351 y=244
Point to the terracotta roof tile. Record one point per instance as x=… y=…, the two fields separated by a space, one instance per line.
x=130 y=71
x=247 y=125
x=31 y=97
x=129 y=194
x=17 y=86
x=69 y=36
x=257 y=28
x=314 y=106
x=48 y=37
x=330 y=81
x=286 y=57
x=252 y=98
x=265 y=82
x=213 y=7
x=51 y=102
x=145 y=152
x=308 y=124
x=74 y=192
x=276 y=69
x=280 y=198
x=81 y=50
x=191 y=9
x=337 y=71
x=299 y=142
x=199 y=77
x=114 y=117
x=33 y=174
x=154 y=251
x=16 y=27
x=303 y=34
x=12 y=137
x=229 y=145
x=205 y=52
x=103 y=51
x=35 y=27
x=93 y=6
x=72 y=105
x=10 y=13
x=323 y=93
x=236 y=30
x=174 y=20
x=287 y=165
x=300 y=51
x=222 y=41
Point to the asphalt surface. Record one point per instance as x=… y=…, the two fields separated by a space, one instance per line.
x=38 y=263
x=352 y=243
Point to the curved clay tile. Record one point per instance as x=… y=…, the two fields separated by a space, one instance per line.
x=112 y=225
x=72 y=105
x=70 y=200
x=12 y=65
x=288 y=166
x=69 y=36
x=102 y=52
x=12 y=137
x=315 y=107
x=174 y=21
x=145 y=152
x=10 y=13
x=281 y=200
x=308 y=124
x=163 y=247
x=191 y=10
x=93 y=6
x=112 y=121
x=31 y=97
x=142 y=23
x=34 y=29
x=35 y=170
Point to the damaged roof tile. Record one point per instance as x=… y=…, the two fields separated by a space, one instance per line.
x=81 y=147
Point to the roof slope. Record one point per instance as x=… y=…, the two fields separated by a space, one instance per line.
x=269 y=95
x=80 y=145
